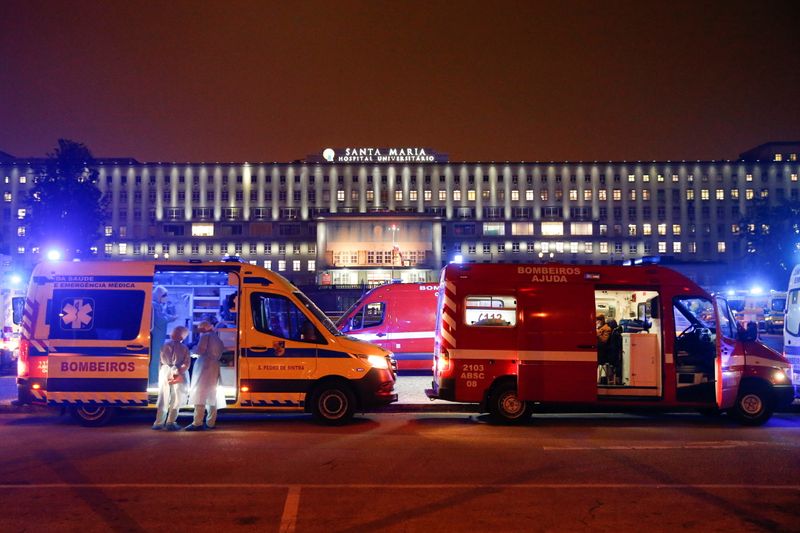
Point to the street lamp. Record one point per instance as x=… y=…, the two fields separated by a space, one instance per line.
x=394 y=228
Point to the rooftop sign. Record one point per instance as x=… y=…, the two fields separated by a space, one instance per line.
x=378 y=155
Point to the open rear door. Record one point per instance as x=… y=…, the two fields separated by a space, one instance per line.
x=728 y=365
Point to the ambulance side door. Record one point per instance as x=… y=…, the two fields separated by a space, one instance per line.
x=279 y=353
x=730 y=357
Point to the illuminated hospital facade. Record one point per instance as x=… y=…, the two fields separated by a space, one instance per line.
x=353 y=216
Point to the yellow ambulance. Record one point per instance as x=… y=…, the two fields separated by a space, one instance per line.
x=92 y=331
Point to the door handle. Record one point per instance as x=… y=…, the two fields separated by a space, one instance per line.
x=258 y=348
x=135 y=347
x=380 y=334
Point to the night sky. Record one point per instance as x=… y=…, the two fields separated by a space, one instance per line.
x=482 y=81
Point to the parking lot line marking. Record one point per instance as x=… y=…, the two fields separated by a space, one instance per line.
x=289 y=517
x=399 y=486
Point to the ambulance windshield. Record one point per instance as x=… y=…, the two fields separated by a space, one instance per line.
x=323 y=319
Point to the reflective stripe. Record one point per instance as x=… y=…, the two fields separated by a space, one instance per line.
x=393 y=336
x=529 y=355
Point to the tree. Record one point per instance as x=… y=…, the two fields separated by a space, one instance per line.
x=65 y=209
x=771 y=236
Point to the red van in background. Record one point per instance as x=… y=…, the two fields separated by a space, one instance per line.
x=399 y=317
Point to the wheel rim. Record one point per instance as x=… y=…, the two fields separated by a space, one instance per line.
x=333 y=404
x=751 y=404
x=91 y=413
x=511 y=406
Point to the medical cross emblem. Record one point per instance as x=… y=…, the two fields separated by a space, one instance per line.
x=76 y=313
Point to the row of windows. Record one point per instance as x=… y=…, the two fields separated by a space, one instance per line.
x=471 y=195
x=603 y=247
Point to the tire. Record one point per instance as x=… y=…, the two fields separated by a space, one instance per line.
x=754 y=405
x=332 y=404
x=505 y=407
x=92 y=415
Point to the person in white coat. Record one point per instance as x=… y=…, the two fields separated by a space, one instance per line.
x=205 y=378
x=173 y=380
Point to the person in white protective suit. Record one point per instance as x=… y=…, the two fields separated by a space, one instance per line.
x=173 y=380
x=205 y=378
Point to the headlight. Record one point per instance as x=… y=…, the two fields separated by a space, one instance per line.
x=779 y=376
x=378 y=361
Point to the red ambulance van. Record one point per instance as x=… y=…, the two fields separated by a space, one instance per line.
x=398 y=317
x=509 y=337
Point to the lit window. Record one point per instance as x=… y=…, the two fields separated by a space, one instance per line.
x=704 y=194
x=340 y=196
x=202 y=230
x=603 y=247
x=675 y=178
x=580 y=228
x=123 y=248
x=514 y=196
x=646 y=194
x=412 y=195
x=543 y=195
x=494 y=228
x=631 y=178
x=21 y=231
x=602 y=195
x=529 y=194
x=428 y=195
x=398 y=196
x=617 y=194
x=23 y=179
x=660 y=178
x=20 y=249
x=632 y=230
x=296 y=265
x=793 y=177
x=662 y=247
x=552 y=228
x=690 y=194
x=471 y=195
x=108 y=248
x=21 y=213
x=764 y=193
x=676 y=247
x=587 y=194
x=7 y=196
x=676 y=229
x=662 y=229
x=647 y=229
x=268 y=264
x=457 y=195
x=748 y=194
x=721 y=247
x=720 y=194
x=490 y=311
x=587 y=247
x=646 y=178
x=281 y=265
x=632 y=194
x=748 y=177
x=522 y=228
x=735 y=229
x=573 y=247
x=370 y=195
x=778 y=157
x=734 y=194
x=312 y=265
x=442 y=195
x=573 y=194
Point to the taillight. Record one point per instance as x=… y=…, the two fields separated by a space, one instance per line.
x=442 y=362
x=22 y=363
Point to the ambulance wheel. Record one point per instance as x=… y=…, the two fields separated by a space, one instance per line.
x=92 y=415
x=332 y=404
x=505 y=406
x=754 y=405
